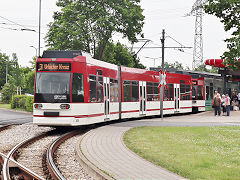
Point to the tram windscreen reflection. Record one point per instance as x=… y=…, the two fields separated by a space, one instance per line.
x=52 y=87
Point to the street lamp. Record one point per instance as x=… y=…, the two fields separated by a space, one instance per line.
x=35 y=49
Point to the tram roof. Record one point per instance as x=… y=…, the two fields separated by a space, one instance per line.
x=196 y=74
x=61 y=54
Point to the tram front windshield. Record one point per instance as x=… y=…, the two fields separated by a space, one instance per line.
x=52 y=87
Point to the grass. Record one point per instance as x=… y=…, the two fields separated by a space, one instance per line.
x=8 y=106
x=192 y=152
x=5 y=106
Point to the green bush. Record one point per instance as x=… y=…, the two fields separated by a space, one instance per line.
x=29 y=103
x=14 y=101
x=23 y=102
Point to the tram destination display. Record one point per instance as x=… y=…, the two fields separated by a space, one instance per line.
x=43 y=66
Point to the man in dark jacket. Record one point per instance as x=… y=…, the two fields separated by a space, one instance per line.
x=217 y=104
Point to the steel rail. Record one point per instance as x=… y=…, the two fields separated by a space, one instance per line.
x=10 y=157
x=3 y=127
x=53 y=170
x=32 y=174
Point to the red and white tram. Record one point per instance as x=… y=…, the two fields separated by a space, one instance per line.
x=73 y=90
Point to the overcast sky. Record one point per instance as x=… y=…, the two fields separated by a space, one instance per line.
x=159 y=14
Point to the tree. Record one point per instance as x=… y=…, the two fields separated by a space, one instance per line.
x=90 y=25
x=8 y=90
x=118 y=54
x=28 y=82
x=12 y=66
x=203 y=68
x=29 y=77
x=16 y=71
x=228 y=11
x=3 y=64
x=175 y=65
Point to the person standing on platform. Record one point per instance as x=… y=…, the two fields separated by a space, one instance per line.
x=239 y=101
x=234 y=101
x=227 y=104
x=217 y=105
x=223 y=104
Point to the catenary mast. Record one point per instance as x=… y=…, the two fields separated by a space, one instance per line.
x=197 y=10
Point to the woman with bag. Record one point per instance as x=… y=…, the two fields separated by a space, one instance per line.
x=216 y=104
x=227 y=104
x=234 y=101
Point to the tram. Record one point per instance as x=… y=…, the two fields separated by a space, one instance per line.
x=73 y=90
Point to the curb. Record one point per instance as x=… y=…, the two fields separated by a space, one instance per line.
x=87 y=165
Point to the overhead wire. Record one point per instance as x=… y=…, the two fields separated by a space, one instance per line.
x=10 y=28
x=24 y=28
x=175 y=40
x=12 y=21
x=147 y=57
x=34 y=26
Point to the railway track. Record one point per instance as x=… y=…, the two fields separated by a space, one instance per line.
x=11 y=167
x=52 y=167
x=34 y=158
x=4 y=127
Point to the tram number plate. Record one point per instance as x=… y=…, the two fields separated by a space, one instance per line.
x=51 y=114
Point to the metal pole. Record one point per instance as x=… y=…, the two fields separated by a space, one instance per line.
x=161 y=90
x=39 y=30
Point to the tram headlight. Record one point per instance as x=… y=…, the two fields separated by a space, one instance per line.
x=65 y=106
x=38 y=106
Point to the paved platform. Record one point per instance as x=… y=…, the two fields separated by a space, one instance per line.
x=105 y=149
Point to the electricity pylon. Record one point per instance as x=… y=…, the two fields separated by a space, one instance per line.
x=197 y=10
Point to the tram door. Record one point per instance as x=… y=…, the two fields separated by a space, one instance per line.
x=142 y=97
x=106 y=83
x=176 y=97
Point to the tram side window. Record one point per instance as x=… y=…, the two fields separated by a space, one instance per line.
x=99 y=89
x=171 y=92
x=113 y=90
x=149 y=91
x=77 y=88
x=166 y=93
x=156 y=92
x=135 y=91
x=211 y=91
x=182 y=92
x=194 y=92
x=93 y=87
x=126 y=91
x=187 y=92
x=200 y=93
x=207 y=92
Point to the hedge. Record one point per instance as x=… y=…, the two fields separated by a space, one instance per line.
x=22 y=102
